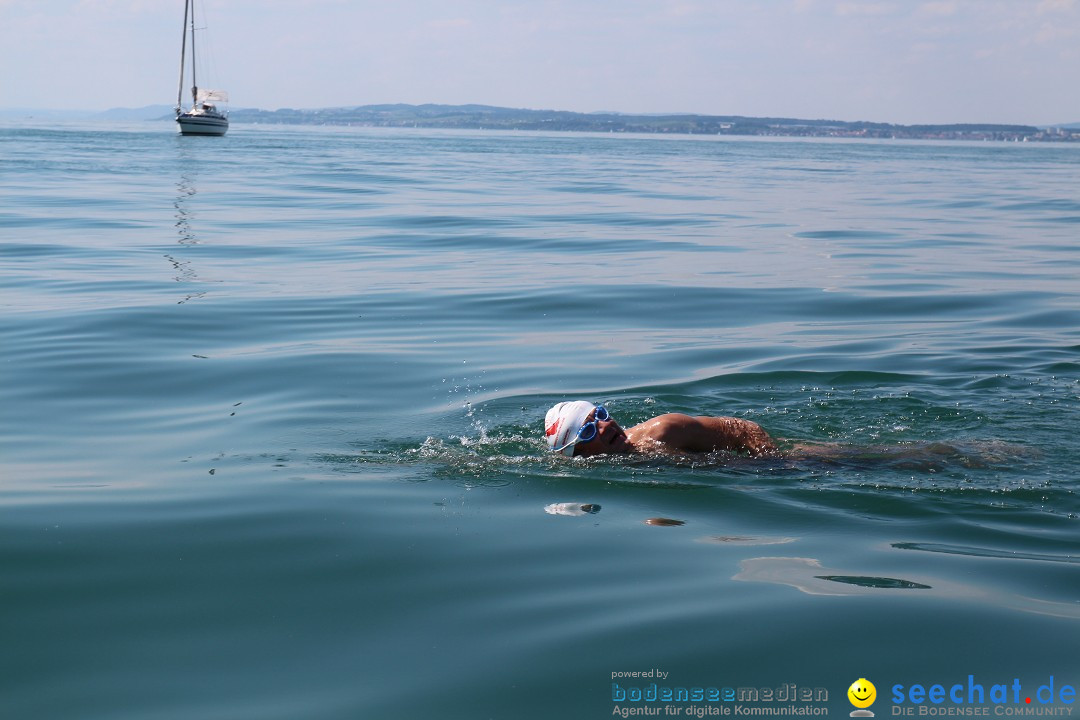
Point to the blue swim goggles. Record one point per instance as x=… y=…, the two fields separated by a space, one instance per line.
x=589 y=430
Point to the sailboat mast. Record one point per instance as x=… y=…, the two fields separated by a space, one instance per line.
x=194 y=84
x=183 y=51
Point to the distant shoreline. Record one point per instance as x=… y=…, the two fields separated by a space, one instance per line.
x=487 y=117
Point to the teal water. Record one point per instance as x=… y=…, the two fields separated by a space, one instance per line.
x=272 y=404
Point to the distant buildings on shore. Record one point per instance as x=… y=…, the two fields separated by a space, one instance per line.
x=942 y=132
x=1058 y=135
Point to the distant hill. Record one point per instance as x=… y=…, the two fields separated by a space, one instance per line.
x=489 y=117
x=148 y=112
x=32 y=113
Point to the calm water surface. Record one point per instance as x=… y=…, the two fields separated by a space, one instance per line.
x=272 y=408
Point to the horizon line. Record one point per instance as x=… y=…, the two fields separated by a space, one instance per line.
x=81 y=111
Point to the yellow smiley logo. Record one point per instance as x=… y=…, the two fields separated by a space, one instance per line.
x=862 y=693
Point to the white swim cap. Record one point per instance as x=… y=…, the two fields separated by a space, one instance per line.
x=563 y=422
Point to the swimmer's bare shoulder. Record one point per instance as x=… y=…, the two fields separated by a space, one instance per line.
x=678 y=432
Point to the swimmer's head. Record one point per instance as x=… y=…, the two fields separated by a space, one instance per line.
x=562 y=423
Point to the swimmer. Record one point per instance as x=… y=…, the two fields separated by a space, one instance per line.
x=579 y=428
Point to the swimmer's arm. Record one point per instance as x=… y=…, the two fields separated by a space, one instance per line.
x=735 y=434
x=706 y=434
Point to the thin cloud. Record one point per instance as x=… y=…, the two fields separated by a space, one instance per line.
x=939 y=9
x=1055 y=6
x=864 y=8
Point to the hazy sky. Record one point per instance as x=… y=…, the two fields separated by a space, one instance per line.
x=899 y=61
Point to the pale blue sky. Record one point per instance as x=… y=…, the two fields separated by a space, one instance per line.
x=884 y=60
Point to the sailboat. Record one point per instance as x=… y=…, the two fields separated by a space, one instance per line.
x=203 y=118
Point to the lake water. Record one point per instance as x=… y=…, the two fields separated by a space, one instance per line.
x=273 y=404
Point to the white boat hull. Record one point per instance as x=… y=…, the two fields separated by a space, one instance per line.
x=202 y=124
